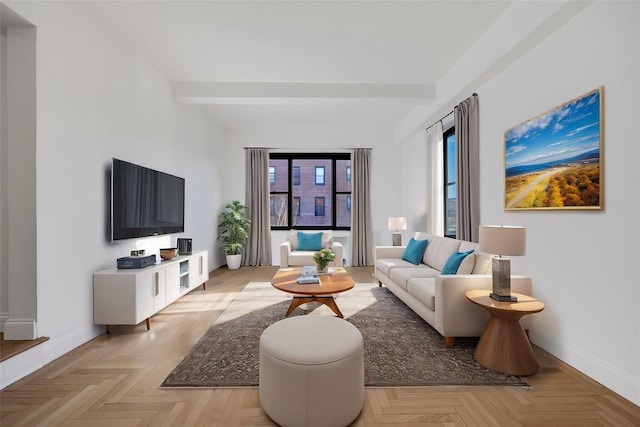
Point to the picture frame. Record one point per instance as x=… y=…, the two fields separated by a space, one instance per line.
x=554 y=161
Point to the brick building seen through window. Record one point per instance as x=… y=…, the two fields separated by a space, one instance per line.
x=319 y=194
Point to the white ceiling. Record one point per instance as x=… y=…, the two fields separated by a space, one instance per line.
x=302 y=62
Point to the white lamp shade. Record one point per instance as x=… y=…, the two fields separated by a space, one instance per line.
x=502 y=240
x=397 y=223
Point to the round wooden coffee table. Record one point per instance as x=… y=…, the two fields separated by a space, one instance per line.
x=338 y=280
x=504 y=346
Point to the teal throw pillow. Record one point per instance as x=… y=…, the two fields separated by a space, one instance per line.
x=309 y=241
x=454 y=261
x=414 y=251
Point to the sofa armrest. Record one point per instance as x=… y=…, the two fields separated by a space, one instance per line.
x=394 y=252
x=456 y=316
x=285 y=250
x=338 y=249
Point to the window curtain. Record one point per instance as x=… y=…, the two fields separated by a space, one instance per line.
x=468 y=169
x=435 y=177
x=361 y=223
x=258 y=248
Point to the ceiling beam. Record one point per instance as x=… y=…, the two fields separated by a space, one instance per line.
x=238 y=93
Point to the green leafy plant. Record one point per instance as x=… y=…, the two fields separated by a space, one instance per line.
x=233 y=228
x=323 y=257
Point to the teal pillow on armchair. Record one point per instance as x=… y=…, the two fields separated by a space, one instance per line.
x=309 y=241
x=414 y=251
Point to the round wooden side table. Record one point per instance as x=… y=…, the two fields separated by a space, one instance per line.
x=504 y=346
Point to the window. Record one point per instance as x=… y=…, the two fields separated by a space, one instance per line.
x=319 y=206
x=296 y=175
x=310 y=191
x=272 y=174
x=296 y=206
x=279 y=198
x=450 y=202
x=319 y=175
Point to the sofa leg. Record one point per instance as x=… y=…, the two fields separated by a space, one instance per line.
x=379 y=284
x=448 y=342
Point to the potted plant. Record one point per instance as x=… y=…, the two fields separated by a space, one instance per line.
x=233 y=230
x=323 y=258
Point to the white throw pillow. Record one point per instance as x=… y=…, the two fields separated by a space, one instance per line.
x=467 y=264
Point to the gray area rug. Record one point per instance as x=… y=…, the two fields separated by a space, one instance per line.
x=401 y=349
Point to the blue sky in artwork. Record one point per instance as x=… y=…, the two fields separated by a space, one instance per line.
x=560 y=134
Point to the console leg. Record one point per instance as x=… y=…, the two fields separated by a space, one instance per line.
x=148 y=323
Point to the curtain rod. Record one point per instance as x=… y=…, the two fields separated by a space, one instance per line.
x=312 y=150
x=448 y=114
x=441 y=119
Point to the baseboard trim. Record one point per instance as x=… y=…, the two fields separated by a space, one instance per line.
x=599 y=370
x=20 y=329
x=3 y=318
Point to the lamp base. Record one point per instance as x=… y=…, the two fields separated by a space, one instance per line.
x=501 y=272
x=507 y=298
x=397 y=239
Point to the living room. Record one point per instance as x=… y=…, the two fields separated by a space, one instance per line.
x=99 y=97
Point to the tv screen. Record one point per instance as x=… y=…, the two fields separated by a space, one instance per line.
x=144 y=202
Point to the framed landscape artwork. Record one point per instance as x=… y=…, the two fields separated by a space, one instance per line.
x=554 y=161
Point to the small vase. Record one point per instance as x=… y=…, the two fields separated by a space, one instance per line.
x=322 y=269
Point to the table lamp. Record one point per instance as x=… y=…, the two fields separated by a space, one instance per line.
x=502 y=240
x=397 y=223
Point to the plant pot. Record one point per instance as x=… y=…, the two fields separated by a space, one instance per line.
x=233 y=261
x=324 y=269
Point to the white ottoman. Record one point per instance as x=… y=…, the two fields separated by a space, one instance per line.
x=312 y=371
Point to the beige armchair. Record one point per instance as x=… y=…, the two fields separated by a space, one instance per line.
x=292 y=254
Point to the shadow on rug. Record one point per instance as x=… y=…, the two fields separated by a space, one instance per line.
x=401 y=349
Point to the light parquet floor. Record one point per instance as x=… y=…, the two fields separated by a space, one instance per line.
x=114 y=380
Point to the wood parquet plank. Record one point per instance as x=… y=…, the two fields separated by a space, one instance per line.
x=114 y=381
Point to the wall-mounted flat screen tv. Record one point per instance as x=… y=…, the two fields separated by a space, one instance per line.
x=144 y=202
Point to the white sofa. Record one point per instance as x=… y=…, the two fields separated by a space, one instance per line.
x=291 y=255
x=440 y=299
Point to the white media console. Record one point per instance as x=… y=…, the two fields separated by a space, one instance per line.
x=129 y=296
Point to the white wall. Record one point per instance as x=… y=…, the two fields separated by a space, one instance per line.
x=97 y=99
x=385 y=197
x=21 y=198
x=414 y=173
x=4 y=194
x=583 y=264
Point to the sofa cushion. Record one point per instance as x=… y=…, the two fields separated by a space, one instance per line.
x=301 y=258
x=414 y=251
x=309 y=241
x=386 y=264
x=439 y=250
x=453 y=264
x=482 y=263
x=424 y=290
x=402 y=275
